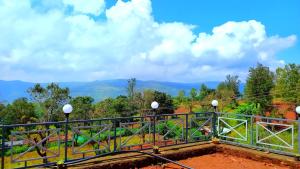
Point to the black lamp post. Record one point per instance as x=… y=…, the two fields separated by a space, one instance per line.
x=214 y=103
x=298 y=114
x=67 y=109
x=154 y=106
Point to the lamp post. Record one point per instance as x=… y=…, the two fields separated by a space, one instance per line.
x=214 y=103
x=67 y=109
x=298 y=114
x=154 y=106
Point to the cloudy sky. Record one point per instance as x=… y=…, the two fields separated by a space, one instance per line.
x=165 y=40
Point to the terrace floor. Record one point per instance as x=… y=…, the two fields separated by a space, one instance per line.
x=183 y=152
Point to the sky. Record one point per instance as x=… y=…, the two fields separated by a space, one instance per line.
x=164 y=40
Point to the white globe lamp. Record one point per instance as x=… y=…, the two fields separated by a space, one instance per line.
x=214 y=103
x=298 y=110
x=67 y=109
x=154 y=105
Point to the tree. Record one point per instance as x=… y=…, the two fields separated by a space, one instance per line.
x=165 y=102
x=226 y=98
x=121 y=107
x=228 y=91
x=287 y=83
x=193 y=97
x=118 y=107
x=131 y=93
x=82 y=107
x=181 y=98
x=2 y=107
x=193 y=94
x=104 y=108
x=20 y=111
x=259 y=84
x=232 y=82
x=204 y=91
x=51 y=98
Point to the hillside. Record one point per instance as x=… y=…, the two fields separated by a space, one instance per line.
x=99 y=90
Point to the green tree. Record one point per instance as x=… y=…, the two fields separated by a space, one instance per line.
x=118 y=107
x=192 y=99
x=204 y=91
x=165 y=102
x=20 y=111
x=51 y=99
x=259 y=84
x=104 y=108
x=121 y=107
x=181 y=98
x=131 y=93
x=2 y=107
x=226 y=98
x=287 y=83
x=193 y=94
x=227 y=92
x=232 y=82
x=82 y=107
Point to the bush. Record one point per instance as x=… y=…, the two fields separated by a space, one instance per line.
x=196 y=132
x=17 y=150
x=163 y=128
x=248 y=109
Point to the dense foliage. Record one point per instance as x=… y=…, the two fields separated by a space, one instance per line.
x=259 y=85
x=288 y=83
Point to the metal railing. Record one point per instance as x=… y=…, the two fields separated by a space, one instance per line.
x=263 y=133
x=43 y=144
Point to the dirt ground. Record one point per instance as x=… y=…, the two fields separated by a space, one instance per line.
x=219 y=160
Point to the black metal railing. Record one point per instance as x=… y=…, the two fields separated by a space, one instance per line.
x=43 y=144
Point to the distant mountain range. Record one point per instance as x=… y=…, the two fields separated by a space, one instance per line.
x=99 y=90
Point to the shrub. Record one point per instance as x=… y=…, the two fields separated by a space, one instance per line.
x=248 y=109
x=163 y=128
x=17 y=150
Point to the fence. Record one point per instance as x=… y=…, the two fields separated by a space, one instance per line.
x=43 y=144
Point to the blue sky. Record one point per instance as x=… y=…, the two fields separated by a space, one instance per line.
x=178 y=40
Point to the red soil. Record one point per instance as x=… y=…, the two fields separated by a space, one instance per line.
x=287 y=110
x=219 y=160
x=181 y=109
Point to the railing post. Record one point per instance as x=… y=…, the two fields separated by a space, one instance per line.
x=298 y=135
x=214 y=123
x=154 y=130
x=2 y=148
x=251 y=128
x=186 y=128
x=66 y=137
x=115 y=135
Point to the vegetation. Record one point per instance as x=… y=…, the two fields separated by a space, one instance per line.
x=259 y=85
x=288 y=83
x=263 y=87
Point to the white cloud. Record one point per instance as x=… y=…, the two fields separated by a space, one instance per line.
x=94 y=7
x=55 y=44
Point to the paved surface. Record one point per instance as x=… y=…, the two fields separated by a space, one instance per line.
x=180 y=152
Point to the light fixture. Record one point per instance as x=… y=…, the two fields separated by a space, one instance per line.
x=214 y=103
x=154 y=105
x=298 y=110
x=67 y=109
